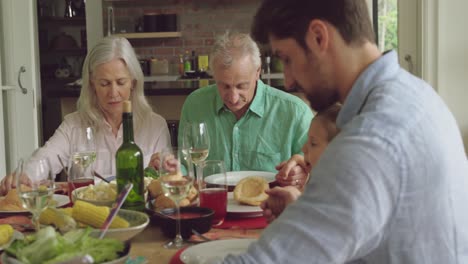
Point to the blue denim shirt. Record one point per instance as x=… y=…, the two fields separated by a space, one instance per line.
x=392 y=187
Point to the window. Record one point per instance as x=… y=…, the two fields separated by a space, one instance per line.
x=387 y=14
x=396 y=23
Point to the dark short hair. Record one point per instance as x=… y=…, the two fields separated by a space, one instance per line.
x=290 y=19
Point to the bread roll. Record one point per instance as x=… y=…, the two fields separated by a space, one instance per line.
x=251 y=190
x=11 y=202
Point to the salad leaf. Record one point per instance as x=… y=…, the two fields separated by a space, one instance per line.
x=151 y=172
x=48 y=246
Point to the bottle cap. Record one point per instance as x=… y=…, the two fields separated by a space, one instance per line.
x=127 y=106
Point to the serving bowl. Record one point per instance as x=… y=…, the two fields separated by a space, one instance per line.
x=197 y=218
x=123 y=256
x=75 y=195
x=137 y=220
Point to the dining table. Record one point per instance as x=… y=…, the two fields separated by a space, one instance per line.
x=150 y=243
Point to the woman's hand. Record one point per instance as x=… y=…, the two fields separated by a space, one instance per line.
x=293 y=172
x=279 y=198
x=155 y=161
x=7 y=183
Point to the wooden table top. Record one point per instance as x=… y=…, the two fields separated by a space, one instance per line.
x=149 y=244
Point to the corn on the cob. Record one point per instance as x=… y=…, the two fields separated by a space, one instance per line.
x=95 y=216
x=58 y=218
x=6 y=232
x=67 y=210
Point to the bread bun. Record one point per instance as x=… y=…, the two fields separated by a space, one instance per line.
x=161 y=201
x=251 y=190
x=11 y=202
x=155 y=189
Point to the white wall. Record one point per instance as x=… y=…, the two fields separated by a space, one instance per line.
x=447 y=56
x=94 y=26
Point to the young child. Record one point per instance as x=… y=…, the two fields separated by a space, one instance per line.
x=321 y=131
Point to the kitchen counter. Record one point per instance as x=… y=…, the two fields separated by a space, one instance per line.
x=60 y=89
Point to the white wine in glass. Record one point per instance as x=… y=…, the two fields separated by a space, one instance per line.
x=35 y=185
x=198 y=155
x=196 y=140
x=82 y=156
x=176 y=186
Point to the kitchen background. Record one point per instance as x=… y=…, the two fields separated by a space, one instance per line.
x=164 y=33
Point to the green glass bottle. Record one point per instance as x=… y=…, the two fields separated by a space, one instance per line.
x=129 y=163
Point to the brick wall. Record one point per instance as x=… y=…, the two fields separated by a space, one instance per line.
x=199 y=21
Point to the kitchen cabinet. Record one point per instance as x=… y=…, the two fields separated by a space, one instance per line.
x=62 y=49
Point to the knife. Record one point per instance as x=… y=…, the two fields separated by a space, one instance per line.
x=115 y=208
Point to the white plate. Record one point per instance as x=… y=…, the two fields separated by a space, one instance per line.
x=233 y=177
x=234 y=208
x=212 y=251
x=61 y=200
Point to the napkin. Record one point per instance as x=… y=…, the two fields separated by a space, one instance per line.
x=244 y=223
x=219 y=234
x=176 y=258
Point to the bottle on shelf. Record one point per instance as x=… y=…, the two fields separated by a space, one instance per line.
x=194 y=62
x=129 y=163
x=181 y=65
x=187 y=63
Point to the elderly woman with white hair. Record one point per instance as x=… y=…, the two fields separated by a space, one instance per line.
x=111 y=74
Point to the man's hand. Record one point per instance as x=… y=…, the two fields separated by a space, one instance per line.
x=279 y=198
x=293 y=172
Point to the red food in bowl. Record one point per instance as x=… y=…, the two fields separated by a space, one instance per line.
x=197 y=218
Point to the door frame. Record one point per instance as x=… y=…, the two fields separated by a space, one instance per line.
x=19 y=47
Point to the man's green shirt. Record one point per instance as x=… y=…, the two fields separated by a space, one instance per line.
x=272 y=130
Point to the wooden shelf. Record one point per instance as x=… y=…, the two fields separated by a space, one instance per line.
x=75 y=51
x=63 y=21
x=144 y=35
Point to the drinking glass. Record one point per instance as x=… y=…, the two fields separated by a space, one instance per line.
x=196 y=142
x=176 y=185
x=82 y=156
x=213 y=189
x=35 y=184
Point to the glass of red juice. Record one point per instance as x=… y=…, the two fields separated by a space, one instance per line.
x=78 y=176
x=213 y=189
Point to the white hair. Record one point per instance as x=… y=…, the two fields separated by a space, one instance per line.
x=110 y=48
x=231 y=46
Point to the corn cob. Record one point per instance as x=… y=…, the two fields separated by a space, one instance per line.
x=58 y=218
x=95 y=216
x=67 y=210
x=6 y=232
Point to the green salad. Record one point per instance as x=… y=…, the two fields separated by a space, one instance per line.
x=151 y=173
x=48 y=246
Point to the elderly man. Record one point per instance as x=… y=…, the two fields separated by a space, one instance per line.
x=392 y=186
x=252 y=126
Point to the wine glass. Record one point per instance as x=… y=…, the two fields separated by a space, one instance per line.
x=82 y=156
x=176 y=185
x=35 y=184
x=196 y=142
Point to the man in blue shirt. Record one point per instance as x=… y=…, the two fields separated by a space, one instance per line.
x=392 y=187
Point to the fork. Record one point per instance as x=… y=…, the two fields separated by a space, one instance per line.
x=201 y=236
